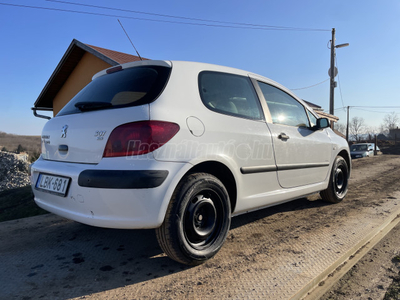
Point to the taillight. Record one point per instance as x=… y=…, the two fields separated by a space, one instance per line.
x=139 y=138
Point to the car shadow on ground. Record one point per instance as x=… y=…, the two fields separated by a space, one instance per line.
x=68 y=259
x=313 y=201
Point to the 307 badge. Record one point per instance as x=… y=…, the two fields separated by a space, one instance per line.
x=99 y=134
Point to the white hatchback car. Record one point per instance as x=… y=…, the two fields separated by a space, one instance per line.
x=181 y=147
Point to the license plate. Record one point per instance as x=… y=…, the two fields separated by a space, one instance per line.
x=53 y=184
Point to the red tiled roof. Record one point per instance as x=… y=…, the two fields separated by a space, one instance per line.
x=119 y=57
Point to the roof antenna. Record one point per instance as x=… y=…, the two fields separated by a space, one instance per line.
x=129 y=39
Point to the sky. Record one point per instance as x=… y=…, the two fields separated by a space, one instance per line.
x=34 y=40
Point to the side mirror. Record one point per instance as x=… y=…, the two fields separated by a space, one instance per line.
x=322 y=123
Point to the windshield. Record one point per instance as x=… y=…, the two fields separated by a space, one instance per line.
x=359 y=148
x=128 y=87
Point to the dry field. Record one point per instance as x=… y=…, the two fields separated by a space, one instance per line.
x=31 y=143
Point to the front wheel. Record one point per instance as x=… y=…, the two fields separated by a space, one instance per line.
x=197 y=220
x=338 y=182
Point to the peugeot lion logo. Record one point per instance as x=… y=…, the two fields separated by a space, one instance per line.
x=64 y=131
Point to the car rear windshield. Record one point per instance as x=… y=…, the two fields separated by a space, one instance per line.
x=128 y=87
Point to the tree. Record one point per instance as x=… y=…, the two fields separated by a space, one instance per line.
x=390 y=121
x=33 y=157
x=371 y=132
x=19 y=149
x=357 y=127
x=341 y=128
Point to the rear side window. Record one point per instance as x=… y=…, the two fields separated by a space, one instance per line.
x=128 y=87
x=229 y=94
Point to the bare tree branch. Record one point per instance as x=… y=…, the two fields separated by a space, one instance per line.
x=341 y=128
x=357 y=128
x=390 y=121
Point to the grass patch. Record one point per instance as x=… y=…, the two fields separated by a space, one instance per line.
x=18 y=203
x=393 y=292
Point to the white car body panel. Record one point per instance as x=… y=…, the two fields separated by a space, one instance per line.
x=86 y=136
x=304 y=158
x=110 y=208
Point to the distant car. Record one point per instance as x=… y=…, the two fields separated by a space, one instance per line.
x=362 y=150
x=181 y=147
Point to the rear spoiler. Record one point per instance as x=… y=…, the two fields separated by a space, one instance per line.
x=41 y=108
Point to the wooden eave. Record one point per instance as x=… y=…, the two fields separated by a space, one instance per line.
x=328 y=116
x=67 y=64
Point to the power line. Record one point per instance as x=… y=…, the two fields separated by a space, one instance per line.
x=271 y=27
x=366 y=106
x=342 y=108
x=340 y=86
x=374 y=111
x=254 y=26
x=307 y=87
x=369 y=108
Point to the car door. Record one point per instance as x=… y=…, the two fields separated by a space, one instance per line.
x=302 y=154
x=238 y=124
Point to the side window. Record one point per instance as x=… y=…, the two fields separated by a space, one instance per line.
x=312 y=118
x=229 y=94
x=284 y=108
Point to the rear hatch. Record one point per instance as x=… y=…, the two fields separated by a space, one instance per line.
x=80 y=131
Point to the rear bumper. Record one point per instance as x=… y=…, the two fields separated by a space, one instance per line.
x=136 y=195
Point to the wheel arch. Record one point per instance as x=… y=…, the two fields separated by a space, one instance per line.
x=347 y=158
x=223 y=173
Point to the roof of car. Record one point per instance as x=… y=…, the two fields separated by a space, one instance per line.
x=199 y=66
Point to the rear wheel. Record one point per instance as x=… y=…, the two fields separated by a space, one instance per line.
x=197 y=220
x=338 y=182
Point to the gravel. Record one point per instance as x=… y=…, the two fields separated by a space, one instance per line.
x=13 y=171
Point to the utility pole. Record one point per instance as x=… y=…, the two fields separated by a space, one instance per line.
x=332 y=76
x=332 y=73
x=347 y=127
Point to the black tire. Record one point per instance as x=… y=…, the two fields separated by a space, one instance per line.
x=338 y=182
x=197 y=220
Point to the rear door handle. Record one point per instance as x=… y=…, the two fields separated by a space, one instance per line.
x=283 y=136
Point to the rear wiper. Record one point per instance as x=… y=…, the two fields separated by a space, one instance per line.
x=86 y=106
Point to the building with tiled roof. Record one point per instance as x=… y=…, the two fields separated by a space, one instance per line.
x=320 y=112
x=74 y=71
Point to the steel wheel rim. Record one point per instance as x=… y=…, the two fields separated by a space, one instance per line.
x=340 y=181
x=202 y=220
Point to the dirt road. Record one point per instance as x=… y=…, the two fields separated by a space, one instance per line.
x=378 y=273
x=266 y=251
